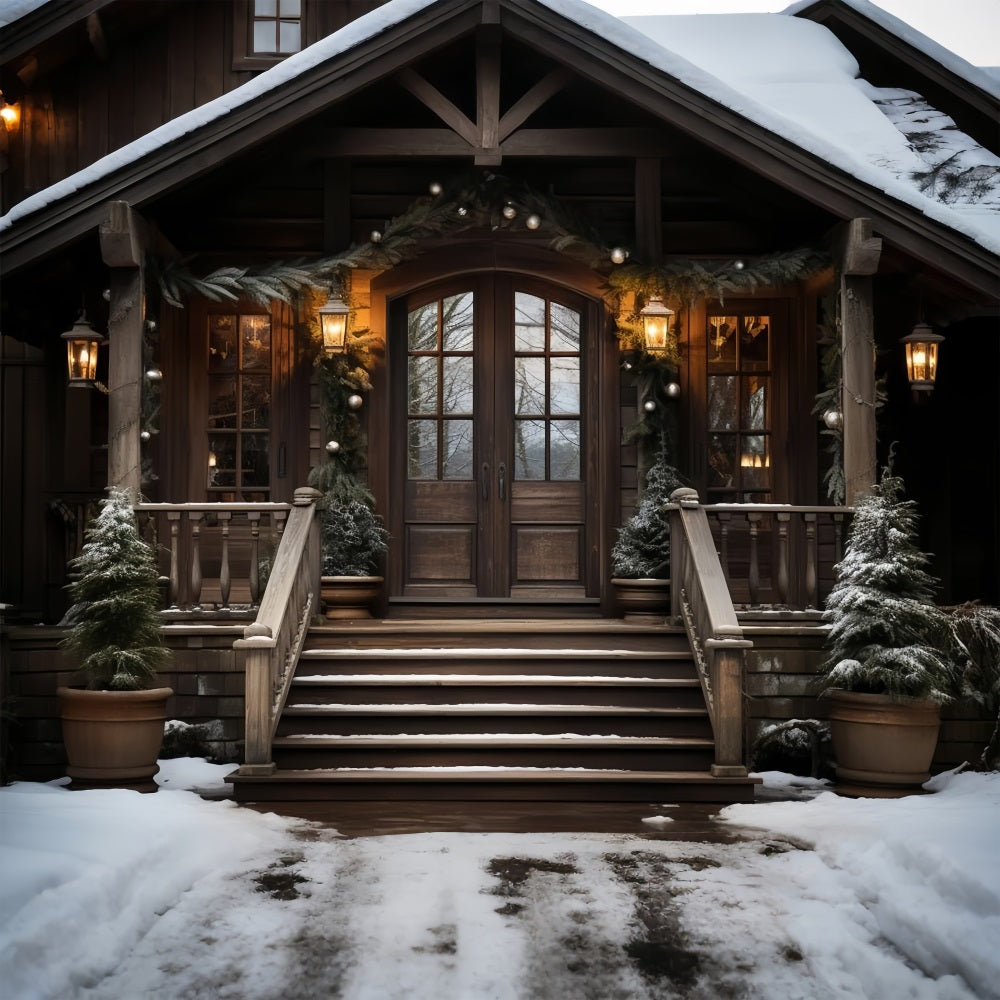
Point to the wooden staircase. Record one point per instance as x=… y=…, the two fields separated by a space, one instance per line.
x=569 y=710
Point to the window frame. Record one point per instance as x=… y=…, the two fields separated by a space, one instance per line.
x=244 y=55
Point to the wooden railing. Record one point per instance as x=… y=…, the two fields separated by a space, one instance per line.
x=699 y=597
x=272 y=644
x=777 y=555
x=220 y=541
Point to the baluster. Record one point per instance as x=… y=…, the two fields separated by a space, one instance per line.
x=812 y=557
x=724 y=518
x=754 y=576
x=194 y=516
x=280 y=517
x=783 y=518
x=174 y=518
x=225 y=576
x=253 y=517
x=838 y=537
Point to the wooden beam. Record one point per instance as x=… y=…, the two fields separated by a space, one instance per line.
x=525 y=106
x=857 y=255
x=336 y=204
x=648 y=209
x=488 y=93
x=430 y=96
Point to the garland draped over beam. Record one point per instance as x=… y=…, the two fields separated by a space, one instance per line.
x=490 y=200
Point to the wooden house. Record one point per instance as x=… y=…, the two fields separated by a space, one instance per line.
x=497 y=189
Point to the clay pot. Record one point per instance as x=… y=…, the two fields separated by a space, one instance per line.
x=347 y=597
x=881 y=742
x=113 y=738
x=645 y=599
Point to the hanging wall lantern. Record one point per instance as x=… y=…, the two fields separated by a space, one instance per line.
x=333 y=323
x=655 y=324
x=921 y=357
x=82 y=343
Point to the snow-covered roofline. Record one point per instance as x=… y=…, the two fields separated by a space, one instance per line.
x=605 y=26
x=911 y=36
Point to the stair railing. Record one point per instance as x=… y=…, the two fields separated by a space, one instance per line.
x=700 y=599
x=273 y=643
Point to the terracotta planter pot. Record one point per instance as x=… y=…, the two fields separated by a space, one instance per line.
x=113 y=737
x=881 y=742
x=643 y=599
x=349 y=596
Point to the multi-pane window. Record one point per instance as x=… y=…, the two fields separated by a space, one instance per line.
x=546 y=389
x=440 y=341
x=239 y=407
x=276 y=26
x=739 y=404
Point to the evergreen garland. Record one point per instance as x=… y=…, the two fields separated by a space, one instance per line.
x=115 y=617
x=886 y=635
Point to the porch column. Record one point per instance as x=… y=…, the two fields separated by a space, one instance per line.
x=123 y=246
x=858 y=253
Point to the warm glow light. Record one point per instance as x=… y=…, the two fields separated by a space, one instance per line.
x=9 y=114
x=82 y=343
x=333 y=323
x=921 y=357
x=656 y=324
x=212 y=460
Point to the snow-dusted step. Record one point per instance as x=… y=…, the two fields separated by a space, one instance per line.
x=485 y=680
x=485 y=783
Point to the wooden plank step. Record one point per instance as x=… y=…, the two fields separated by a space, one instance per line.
x=488 y=680
x=486 y=708
x=493 y=783
x=457 y=740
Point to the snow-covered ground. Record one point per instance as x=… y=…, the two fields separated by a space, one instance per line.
x=112 y=894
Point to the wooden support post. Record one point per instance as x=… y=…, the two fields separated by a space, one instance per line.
x=858 y=253
x=648 y=209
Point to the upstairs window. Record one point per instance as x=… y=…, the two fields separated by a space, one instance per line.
x=277 y=27
x=265 y=31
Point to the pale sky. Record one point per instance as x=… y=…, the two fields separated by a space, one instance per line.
x=970 y=28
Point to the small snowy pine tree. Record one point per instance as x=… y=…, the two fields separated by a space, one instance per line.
x=353 y=537
x=642 y=550
x=115 y=621
x=887 y=635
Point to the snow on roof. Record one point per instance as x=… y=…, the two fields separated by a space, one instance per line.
x=13 y=10
x=789 y=75
x=980 y=76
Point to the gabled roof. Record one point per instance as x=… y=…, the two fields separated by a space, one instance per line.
x=746 y=121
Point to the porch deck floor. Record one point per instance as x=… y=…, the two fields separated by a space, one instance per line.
x=688 y=821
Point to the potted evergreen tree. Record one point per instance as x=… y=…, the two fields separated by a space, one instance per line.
x=640 y=558
x=353 y=542
x=887 y=667
x=113 y=727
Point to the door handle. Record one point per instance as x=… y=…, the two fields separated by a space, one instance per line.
x=485 y=480
x=502 y=477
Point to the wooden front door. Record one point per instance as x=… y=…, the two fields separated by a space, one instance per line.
x=494 y=436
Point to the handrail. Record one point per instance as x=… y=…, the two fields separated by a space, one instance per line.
x=273 y=643
x=699 y=597
x=196 y=516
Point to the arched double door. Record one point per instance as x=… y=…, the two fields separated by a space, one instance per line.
x=494 y=424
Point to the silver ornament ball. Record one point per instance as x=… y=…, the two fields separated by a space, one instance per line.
x=435 y=188
x=739 y=265
x=333 y=447
x=154 y=374
x=649 y=406
x=354 y=401
x=144 y=435
x=376 y=236
x=509 y=212
x=533 y=221
x=833 y=419
x=619 y=255
x=673 y=390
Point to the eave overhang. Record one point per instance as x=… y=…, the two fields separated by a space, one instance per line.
x=566 y=42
